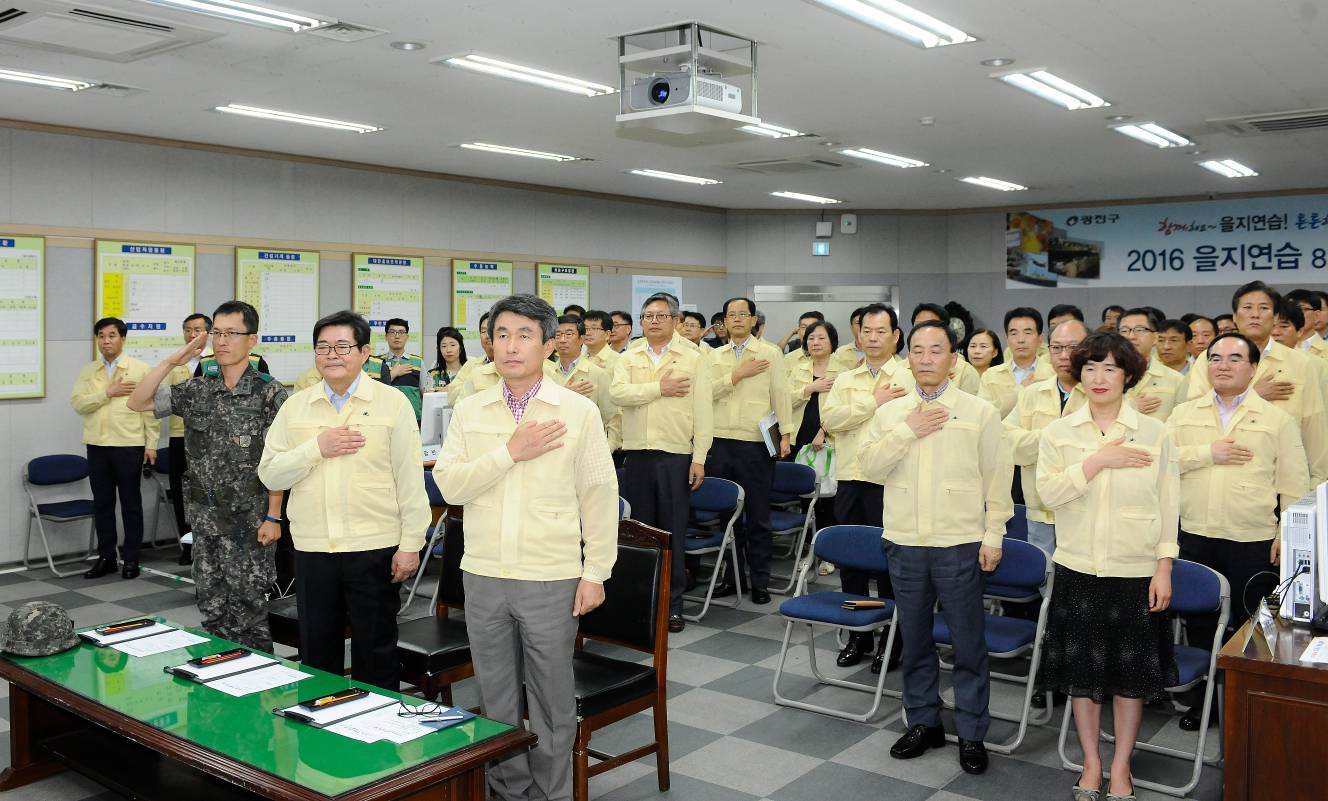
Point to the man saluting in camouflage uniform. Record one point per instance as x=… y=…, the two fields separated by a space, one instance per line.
x=236 y=520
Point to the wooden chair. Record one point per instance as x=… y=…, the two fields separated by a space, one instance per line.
x=634 y=615
x=434 y=651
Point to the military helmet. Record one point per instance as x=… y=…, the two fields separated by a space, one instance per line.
x=37 y=628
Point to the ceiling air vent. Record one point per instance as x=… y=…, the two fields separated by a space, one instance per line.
x=115 y=19
x=791 y=165
x=88 y=30
x=346 y=32
x=1277 y=123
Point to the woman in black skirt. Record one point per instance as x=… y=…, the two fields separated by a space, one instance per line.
x=1111 y=476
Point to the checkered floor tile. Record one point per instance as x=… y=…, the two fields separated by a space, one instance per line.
x=728 y=741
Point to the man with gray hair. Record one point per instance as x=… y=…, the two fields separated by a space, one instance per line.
x=529 y=461
x=663 y=390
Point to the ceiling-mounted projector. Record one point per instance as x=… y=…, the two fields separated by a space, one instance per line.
x=675 y=88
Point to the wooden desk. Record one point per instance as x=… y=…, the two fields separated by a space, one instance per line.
x=1276 y=728
x=125 y=723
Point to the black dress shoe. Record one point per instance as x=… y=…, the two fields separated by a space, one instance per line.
x=972 y=756
x=676 y=623
x=723 y=589
x=1190 y=720
x=1039 y=700
x=186 y=555
x=100 y=568
x=130 y=570
x=917 y=740
x=760 y=597
x=878 y=661
x=859 y=643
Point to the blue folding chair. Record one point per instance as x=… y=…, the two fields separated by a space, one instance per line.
x=1024 y=575
x=857 y=548
x=60 y=470
x=1017 y=526
x=720 y=497
x=1195 y=590
x=799 y=482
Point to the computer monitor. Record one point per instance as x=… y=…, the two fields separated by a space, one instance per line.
x=434 y=417
x=1304 y=568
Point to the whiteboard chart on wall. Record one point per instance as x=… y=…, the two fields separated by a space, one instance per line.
x=477 y=285
x=22 y=317
x=283 y=286
x=562 y=285
x=150 y=286
x=387 y=287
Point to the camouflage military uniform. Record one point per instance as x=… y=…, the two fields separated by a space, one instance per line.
x=223 y=438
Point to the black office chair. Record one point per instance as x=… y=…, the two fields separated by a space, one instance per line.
x=434 y=651
x=635 y=615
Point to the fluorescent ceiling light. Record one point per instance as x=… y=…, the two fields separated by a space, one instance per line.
x=246 y=13
x=1150 y=133
x=1228 y=168
x=1053 y=89
x=517 y=72
x=883 y=158
x=771 y=131
x=518 y=151
x=299 y=119
x=673 y=176
x=993 y=183
x=807 y=198
x=49 y=81
x=899 y=20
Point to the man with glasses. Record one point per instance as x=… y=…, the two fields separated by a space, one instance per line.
x=1311 y=305
x=693 y=329
x=236 y=519
x=1282 y=377
x=621 y=333
x=667 y=415
x=1241 y=459
x=581 y=375
x=748 y=382
x=719 y=335
x=401 y=369
x=598 y=326
x=349 y=452
x=1156 y=394
x=118 y=444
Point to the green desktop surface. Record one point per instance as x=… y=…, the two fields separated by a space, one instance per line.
x=245 y=729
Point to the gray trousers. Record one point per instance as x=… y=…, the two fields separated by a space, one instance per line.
x=921 y=576
x=523 y=632
x=1043 y=535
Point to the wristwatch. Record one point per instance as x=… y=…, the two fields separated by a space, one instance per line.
x=271 y=519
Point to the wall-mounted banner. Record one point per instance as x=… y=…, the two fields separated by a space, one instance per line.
x=562 y=285
x=477 y=285
x=22 y=317
x=283 y=286
x=384 y=287
x=150 y=286
x=1281 y=240
x=643 y=286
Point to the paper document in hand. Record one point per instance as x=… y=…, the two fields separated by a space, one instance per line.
x=256 y=681
x=769 y=426
x=159 y=643
x=124 y=636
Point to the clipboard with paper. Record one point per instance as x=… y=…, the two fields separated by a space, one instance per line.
x=770 y=434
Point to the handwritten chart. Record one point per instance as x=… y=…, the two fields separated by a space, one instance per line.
x=151 y=287
x=477 y=285
x=383 y=287
x=22 y=317
x=562 y=285
x=283 y=286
